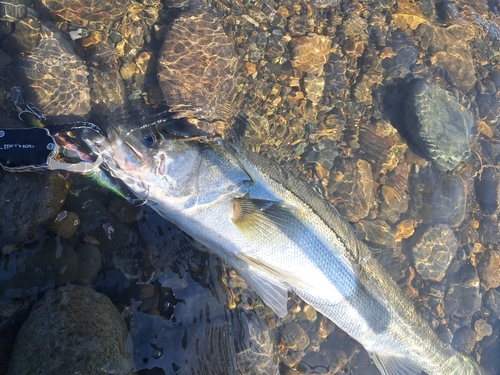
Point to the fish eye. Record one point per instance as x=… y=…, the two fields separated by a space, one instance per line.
x=150 y=139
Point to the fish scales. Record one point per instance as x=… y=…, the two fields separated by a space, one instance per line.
x=280 y=235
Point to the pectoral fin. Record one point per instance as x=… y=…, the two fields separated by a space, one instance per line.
x=394 y=365
x=263 y=219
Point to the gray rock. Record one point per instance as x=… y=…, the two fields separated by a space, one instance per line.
x=463 y=297
x=433 y=252
x=55 y=78
x=72 y=330
x=487 y=187
x=442 y=198
x=26 y=201
x=438 y=124
x=464 y=340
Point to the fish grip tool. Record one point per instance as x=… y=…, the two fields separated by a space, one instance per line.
x=29 y=149
x=26 y=149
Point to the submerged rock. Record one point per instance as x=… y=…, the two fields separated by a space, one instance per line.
x=72 y=330
x=434 y=251
x=197 y=67
x=351 y=188
x=463 y=297
x=55 y=78
x=438 y=124
x=26 y=201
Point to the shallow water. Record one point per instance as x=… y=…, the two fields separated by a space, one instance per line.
x=338 y=118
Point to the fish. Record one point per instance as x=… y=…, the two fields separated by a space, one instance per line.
x=281 y=236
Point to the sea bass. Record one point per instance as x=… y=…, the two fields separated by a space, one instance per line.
x=280 y=236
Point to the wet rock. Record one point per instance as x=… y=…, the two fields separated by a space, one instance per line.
x=13 y=10
x=383 y=149
x=55 y=78
x=97 y=221
x=313 y=87
x=26 y=201
x=335 y=76
x=377 y=232
x=487 y=186
x=489 y=230
x=464 y=340
x=482 y=329
x=403 y=54
x=489 y=270
x=438 y=124
x=443 y=197
x=351 y=188
x=323 y=3
x=404 y=229
x=42 y=265
x=407 y=15
x=72 y=329
x=24 y=37
x=293 y=336
x=89 y=263
x=197 y=66
x=463 y=297
x=452 y=53
x=65 y=224
x=492 y=301
x=356 y=35
x=433 y=252
x=309 y=53
x=83 y=12
x=299 y=25
x=322 y=153
x=393 y=204
x=124 y=211
x=107 y=89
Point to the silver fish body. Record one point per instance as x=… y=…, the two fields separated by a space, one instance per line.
x=280 y=235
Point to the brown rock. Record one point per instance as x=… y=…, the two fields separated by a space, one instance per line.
x=310 y=52
x=351 y=188
x=489 y=270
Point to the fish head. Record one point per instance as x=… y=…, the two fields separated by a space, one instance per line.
x=179 y=173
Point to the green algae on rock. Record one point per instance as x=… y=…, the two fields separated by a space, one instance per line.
x=72 y=330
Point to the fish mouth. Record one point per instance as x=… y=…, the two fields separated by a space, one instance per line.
x=116 y=151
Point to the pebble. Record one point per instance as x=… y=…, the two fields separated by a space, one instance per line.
x=313 y=87
x=482 y=329
x=292 y=335
x=489 y=270
x=438 y=124
x=350 y=188
x=433 y=252
x=72 y=330
x=376 y=232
